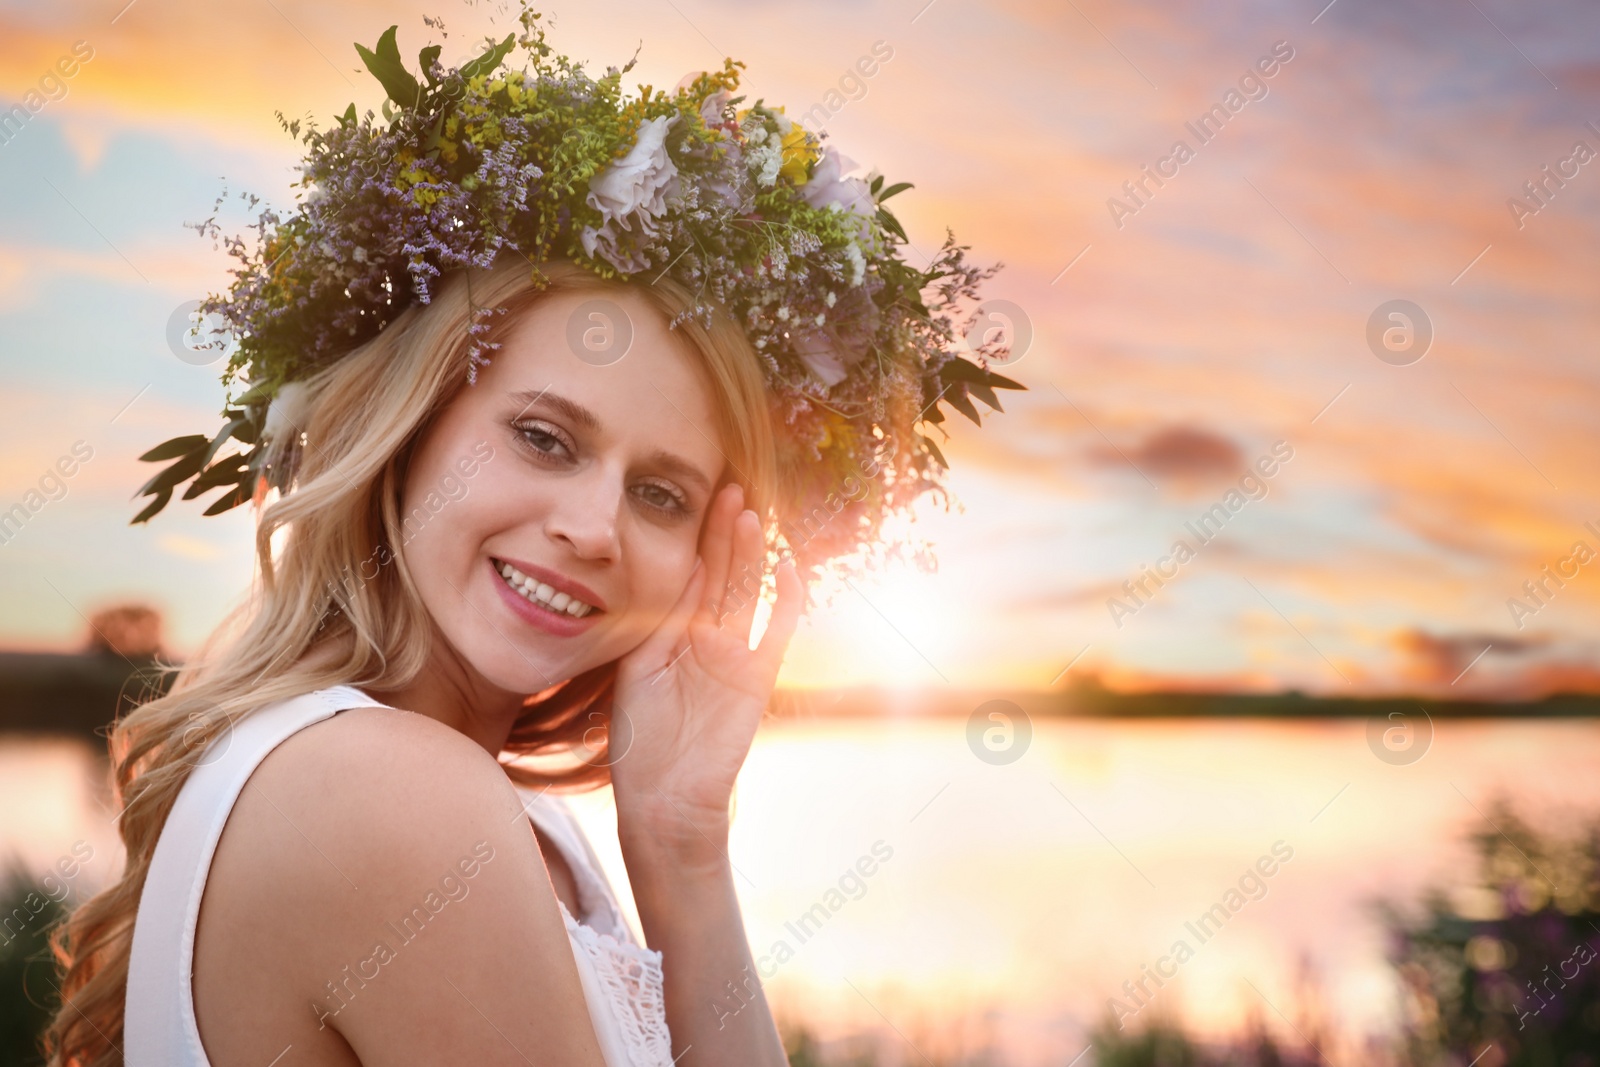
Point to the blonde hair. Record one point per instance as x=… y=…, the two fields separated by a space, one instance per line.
x=302 y=627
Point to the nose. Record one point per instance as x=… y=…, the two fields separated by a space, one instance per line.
x=586 y=512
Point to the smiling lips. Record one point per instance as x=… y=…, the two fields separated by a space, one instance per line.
x=542 y=593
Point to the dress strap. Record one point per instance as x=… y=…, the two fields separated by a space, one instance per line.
x=597 y=900
x=159 y=1020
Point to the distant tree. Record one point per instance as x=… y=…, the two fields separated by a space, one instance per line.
x=130 y=630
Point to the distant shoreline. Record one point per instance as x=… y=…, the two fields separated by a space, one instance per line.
x=80 y=695
x=1092 y=702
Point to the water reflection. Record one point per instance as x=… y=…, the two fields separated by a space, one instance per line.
x=888 y=874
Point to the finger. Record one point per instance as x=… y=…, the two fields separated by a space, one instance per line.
x=785 y=620
x=717 y=550
x=742 y=591
x=668 y=634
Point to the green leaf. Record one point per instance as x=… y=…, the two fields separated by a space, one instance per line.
x=225 y=471
x=892 y=224
x=982 y=391
x=217 y=441
x=247 y=430
x=385 y=65
x=257 y=392
x=958 y=400
x=1000 y=381
x=177 y=446
x=934 y=449
x=426 y=57
x=180 y=471
x=961 y=370
x=230 y=499
x=155 y=506
x=490 y=58
x=349 y=117
x=898 y=187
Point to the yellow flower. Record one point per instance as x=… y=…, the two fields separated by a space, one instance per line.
x=798 y=154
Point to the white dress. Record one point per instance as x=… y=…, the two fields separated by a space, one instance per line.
x=622 y=981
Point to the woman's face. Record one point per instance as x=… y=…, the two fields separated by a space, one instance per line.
x=587 y=479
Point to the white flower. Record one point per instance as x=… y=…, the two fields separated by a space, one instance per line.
x=604 y=240
x=359 y=255
x=831 y=299
x=288 y=411
x=635 y=188
x=783 y=311
x=640 y=181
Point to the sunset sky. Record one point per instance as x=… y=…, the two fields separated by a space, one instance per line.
x=1176 y=340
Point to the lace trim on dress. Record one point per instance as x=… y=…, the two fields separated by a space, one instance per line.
x=631 y=976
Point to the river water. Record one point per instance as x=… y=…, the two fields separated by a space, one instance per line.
x=893 y=882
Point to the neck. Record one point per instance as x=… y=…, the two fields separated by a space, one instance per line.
x=472 y=706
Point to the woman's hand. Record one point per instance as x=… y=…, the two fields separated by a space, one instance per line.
x=689 y=698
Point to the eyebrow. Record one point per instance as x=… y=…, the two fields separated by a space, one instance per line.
x=582 y=416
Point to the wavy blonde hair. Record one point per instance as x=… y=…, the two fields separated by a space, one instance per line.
x=302 y=627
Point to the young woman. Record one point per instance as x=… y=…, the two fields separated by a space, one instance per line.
x=494 y=539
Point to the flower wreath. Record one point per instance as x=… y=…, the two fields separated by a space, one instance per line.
x=745 y=208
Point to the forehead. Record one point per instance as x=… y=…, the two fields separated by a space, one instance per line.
x=609 y=351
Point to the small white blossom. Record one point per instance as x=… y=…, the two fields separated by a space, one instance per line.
x=858 y=265
x=831 y=299
x=783 y=311
x=820 y=319
x=765 y=163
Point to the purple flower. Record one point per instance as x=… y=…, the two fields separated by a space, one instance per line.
x=827 y=188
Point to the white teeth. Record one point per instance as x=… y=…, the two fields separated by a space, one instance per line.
x=542 y=594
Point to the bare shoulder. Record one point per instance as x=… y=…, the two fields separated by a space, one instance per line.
x=379 y=877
